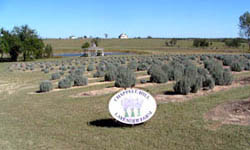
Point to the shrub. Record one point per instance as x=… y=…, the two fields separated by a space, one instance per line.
x=46 y=86
x=132 y=65
x=182 y=86
x=227 y=60
x=80 y=81
x=82 y=68
x=111 y=74
x=65 y=83
x=187 y=85
x=158 y=76
x=236 y=66
x=55 y=76
x=208 y=83
x=142 y=67
x=207 y=80
x=101 y=67
x=63 y=68
x=220 y=76
x=174 y=70
x=46 y=71
x=203 y=58
x=125 y=78
x=202 y=72
x=78 y=72
x=61 y=73
x=227 y=77
x=90 y=67
x=166 y=68
x=247 y=66
x=150 y=70
x=99 y=74
x=196 y=85
x=191 y=72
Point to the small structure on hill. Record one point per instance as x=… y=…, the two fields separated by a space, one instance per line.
x=123 y=36
x=72 y=37
x=93 y=51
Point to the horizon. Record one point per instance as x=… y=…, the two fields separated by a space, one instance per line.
x=161 y=19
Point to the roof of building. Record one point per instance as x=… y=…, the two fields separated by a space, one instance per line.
x=94 y=48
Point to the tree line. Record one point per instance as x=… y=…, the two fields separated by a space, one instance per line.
x=23 y=41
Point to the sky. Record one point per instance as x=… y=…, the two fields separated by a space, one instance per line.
x=136 y=18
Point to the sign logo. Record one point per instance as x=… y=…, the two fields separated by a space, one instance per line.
x=132 y=106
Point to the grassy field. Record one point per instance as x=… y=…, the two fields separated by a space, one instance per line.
x=141 y=46
x=57 y=121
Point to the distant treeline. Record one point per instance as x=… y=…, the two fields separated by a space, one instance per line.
x=242 y=40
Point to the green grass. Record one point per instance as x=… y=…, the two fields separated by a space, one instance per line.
x=57 y=121
x=141 y=46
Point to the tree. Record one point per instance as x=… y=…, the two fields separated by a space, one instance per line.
x=13 y=43
x=233 y=42
x=85 y=45
x=30 y=44
x=4 y=47
x=95 y=41
x=200 y=43
x=173 y=42
x=245 y=26
x=48 y=51
x=21 y=40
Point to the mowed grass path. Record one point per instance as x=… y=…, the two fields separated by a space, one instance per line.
x=57 y=121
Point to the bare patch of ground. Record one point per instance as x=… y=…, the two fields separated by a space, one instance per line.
x=142 y=77
x=108 y=90
x=243 y=81
x=9 y=88
x=233 y=72
x=237 y=112
x=98 y=92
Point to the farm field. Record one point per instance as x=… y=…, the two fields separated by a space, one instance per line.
x=124 y=75
x=77 y=117
x=144 y=46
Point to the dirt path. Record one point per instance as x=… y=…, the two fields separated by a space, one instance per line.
x=237 y=112
x=110 y=90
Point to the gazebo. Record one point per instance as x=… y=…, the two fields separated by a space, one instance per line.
x=93 y=51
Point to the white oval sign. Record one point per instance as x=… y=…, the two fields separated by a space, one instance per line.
x=132 y=106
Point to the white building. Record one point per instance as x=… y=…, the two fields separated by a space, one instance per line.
x=123 y=36
x=73 y=37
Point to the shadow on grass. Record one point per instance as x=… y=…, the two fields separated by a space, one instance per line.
x=6 y=60
x=171 y=93
x=109 y=123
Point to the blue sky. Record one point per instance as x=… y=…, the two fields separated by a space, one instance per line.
x=157 y=18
